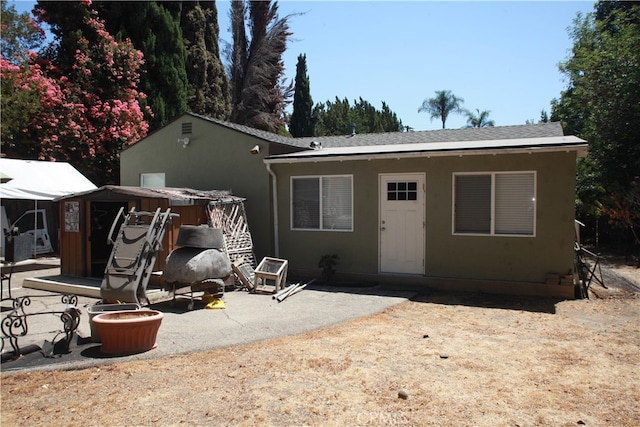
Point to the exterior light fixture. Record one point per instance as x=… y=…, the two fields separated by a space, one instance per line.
x=184 y=141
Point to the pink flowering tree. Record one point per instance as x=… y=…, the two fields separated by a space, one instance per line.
x=26 y=93
x=85 y=115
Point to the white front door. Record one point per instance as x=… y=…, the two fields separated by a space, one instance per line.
x=402 y=223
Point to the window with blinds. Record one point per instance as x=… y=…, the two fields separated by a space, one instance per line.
x=515 y=203
x=322 y=203
x=473 y=204
x=500 y=203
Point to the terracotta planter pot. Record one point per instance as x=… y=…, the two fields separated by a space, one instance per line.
x=95 y=310
x=131 y=332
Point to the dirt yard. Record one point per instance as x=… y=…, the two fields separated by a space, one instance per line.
x=441 y=359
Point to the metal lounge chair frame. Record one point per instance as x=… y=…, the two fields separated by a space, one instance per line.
x=134 y=254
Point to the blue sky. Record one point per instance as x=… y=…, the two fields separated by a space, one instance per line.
x=500 y=56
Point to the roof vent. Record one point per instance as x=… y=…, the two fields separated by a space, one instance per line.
x=353 y=129
x=316 y=145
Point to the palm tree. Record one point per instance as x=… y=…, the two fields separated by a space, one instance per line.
x=479 y=119
x=444 y=103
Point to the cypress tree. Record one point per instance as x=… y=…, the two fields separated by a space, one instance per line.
x=238 y=57
x=301 y=123
x=209 y=92
x=340 y=118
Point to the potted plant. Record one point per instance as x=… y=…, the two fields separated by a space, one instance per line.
x=328 y=263
x=128 y=332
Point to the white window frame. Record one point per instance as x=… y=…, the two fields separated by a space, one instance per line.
x=156 y=175
x=322 y=226
x=492 y=228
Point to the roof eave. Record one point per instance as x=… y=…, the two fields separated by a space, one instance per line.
x=580 y=149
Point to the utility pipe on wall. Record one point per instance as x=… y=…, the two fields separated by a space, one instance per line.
x=274 y=189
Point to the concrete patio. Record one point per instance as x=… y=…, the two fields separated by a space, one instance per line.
x=246 y=318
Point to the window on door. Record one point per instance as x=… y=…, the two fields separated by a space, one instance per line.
x=322 y=203
x=499 y=203
x=402 y=190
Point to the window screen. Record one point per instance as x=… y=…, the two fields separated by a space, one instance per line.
x=322 y=203
x=306 y=203
x=473 y=204
x=336 y=203
x=495 y=203
x=152 y=180
x=515 y=203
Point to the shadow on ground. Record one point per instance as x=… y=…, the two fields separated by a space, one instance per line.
x=505 y=302
x=478 y=299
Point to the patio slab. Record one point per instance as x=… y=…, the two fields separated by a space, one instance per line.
x=247 y=318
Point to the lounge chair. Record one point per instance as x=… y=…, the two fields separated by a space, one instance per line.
x=134 y=254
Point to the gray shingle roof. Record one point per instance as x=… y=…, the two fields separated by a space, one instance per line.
x=264 y=135
x=539 y=130
x=433 y=149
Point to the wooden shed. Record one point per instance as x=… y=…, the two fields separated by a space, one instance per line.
x=86 y=220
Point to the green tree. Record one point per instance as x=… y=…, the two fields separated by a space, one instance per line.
x=390 y=121
x=342 y=118
x=602 y=102
x=604 y=8
x=84 y=114
x=20 y=100
x=479 y=119
x=443 y=104
x=154 y=28
x=209 y=92
x=301 y=123
x=20 y=34
x=238 y=53
x=333 y=118
x=67 y=24
x=259 y=93
x=544 y=116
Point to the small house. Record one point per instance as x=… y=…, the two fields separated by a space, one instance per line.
x=468 y=209
x=487 y=209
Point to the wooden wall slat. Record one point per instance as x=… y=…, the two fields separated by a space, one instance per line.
x=71 y=244
x=75 y=252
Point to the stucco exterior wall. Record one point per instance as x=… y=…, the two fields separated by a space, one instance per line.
x=504 y=258
x=217 y=158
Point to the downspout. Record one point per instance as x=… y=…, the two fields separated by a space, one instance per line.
x=274 y=189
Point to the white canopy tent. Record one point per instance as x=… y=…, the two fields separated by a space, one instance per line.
x=39 y=181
